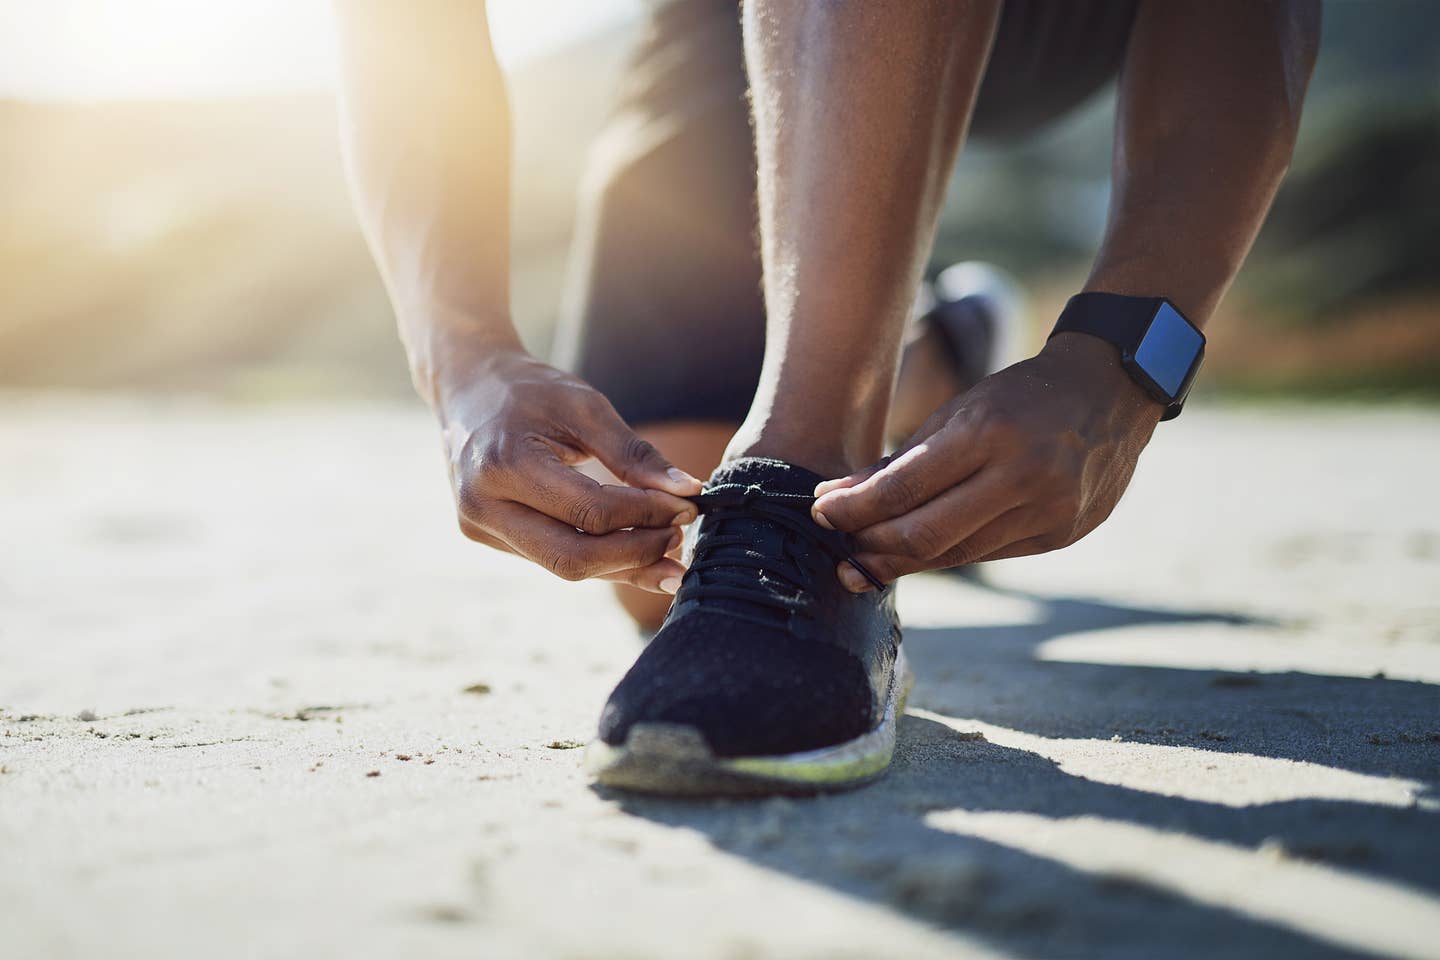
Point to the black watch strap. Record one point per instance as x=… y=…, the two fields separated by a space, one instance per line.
x=1125 y=322
x=1114 y=317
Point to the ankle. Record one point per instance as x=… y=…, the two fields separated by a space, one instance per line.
x=828 y=459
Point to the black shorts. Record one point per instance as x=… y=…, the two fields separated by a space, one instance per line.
x=664 y=313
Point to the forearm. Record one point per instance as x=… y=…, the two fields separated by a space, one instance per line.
x=859 y=113
x=1209 y=107
x=425 y=125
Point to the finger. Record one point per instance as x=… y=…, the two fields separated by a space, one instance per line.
x=663 y=577
x=562 y=492
x=677 y=553
x=474 y=531
x=911 y=479
x=571 y=555
x=932 y=425
x=933 y=528
x=1010 y=527
x=1029 y=547
x=841 y=483
x=632 y=459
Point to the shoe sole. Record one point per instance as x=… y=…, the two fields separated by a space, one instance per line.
x=674 y=760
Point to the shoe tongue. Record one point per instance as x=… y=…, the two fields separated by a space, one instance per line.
x=760 y=536
x=772 y=476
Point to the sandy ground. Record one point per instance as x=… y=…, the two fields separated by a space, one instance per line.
x=259 y=699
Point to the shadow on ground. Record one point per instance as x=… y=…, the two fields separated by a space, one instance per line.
x=879 y=845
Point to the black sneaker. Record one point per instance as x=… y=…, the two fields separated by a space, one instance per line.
x=767 y=676
x=978 y=310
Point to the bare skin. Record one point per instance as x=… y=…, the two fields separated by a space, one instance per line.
x=860 y=112
x=849 y=193
x=697 y=448
x=1036 y=456
x=927 y=379
x=836 y=352
x=426 y=129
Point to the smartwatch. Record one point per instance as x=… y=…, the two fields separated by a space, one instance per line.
x=1159 y=348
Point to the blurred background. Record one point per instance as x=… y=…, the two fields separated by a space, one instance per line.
x=1209 y=729
x=176 y=218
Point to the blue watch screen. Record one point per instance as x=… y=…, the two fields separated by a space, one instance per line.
x=1169 y=349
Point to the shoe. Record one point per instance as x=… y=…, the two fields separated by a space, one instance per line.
x=978 y=310
x=767 y=676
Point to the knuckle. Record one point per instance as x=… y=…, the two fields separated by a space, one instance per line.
x=482 y=471
x=962 y=555
x=566 y=565
x=509 y=457
x=468 y=529
x=590 y=515
x=480 y=454
x=899 y=488
x=472 y=503
x=920 y=539
x=638 y=450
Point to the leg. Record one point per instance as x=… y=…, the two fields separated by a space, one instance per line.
x=1047 y=58
x=768 y=675
x=663 y=311
x=849 y=192
x=967 y=331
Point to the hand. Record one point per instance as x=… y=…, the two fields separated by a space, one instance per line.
x=1029 y=460
x=515 y=430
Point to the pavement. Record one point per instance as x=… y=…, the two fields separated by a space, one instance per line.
x=259 y=698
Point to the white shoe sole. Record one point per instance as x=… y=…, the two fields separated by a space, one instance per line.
x=675 y=760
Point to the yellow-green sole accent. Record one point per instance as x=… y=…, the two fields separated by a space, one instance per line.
x=675 y=760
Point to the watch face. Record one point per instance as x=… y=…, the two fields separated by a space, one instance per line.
x=1169 y=349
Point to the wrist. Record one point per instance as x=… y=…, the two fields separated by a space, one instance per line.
x=449 y=353
x=1097 y=363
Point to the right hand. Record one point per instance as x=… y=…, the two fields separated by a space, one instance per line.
x=516 y=430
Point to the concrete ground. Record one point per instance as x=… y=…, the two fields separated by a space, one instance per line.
x=258 y=698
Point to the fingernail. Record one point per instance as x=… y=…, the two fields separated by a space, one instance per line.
x=852 y=580
x=683 y=517
x=670 y=585
x=680 y=476
x=821 y=519
x=675 y=539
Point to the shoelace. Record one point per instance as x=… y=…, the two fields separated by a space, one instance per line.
x=737 y=501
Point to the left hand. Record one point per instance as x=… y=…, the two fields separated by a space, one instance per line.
x=1029 y=460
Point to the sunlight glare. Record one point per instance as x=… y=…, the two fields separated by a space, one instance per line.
x=104 y=50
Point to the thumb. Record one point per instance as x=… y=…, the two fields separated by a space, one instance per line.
x=840 y=483
x=635 y=460
x=859 y=476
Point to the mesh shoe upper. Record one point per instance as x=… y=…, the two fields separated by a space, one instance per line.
x=764 y=652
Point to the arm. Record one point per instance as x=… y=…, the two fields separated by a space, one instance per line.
x=425 y=124
x=1036 y=456
x=426 y=129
